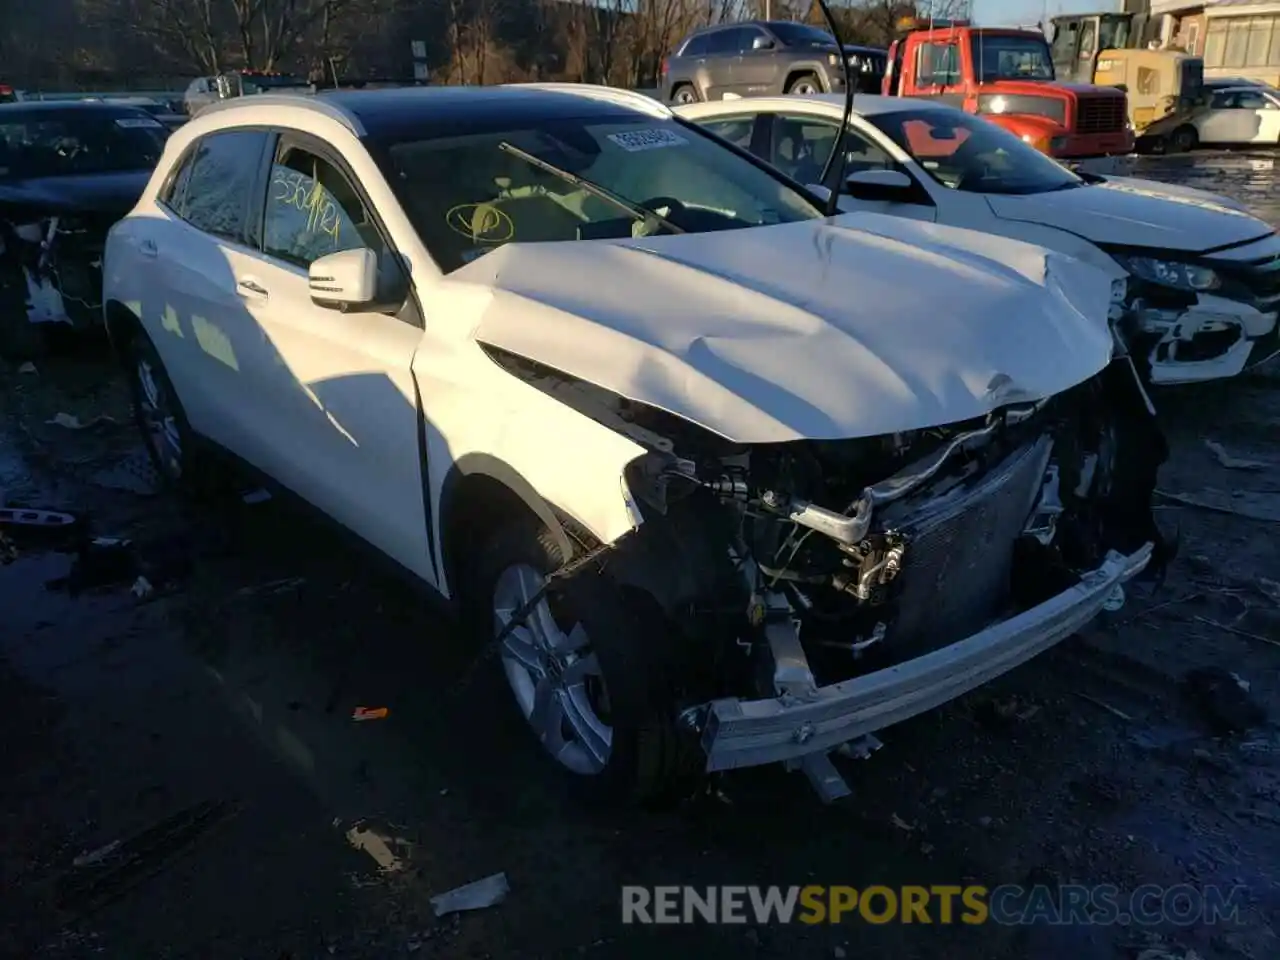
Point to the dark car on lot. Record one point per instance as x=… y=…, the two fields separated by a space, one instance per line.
x=763 y=57
x=68 y=171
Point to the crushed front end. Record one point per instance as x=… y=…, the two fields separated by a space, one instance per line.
x=877 y=579
x=823 y=590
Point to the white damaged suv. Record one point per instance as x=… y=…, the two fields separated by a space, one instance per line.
x=720 y=480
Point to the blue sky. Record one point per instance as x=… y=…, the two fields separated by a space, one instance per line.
x=998 y=13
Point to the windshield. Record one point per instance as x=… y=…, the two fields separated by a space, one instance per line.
x=62 y=143
x=1114 y=33
x=467 y=195
x=964 y=152
x=1011 y=57
x=802 y=35
x=256 y=83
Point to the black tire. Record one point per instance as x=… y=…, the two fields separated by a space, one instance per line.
x=1183 y=140
x=684 y=93
x=194 y=472
x=650 y=761
x=802 y=80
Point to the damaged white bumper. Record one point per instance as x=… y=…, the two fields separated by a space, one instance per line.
x=743 y=733
x=1214 y=339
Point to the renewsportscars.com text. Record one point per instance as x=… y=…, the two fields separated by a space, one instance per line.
x=1009 y=904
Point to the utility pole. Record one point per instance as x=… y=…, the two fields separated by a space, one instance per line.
x=768 y=9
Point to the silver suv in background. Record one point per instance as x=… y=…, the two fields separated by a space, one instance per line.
x=756 y=58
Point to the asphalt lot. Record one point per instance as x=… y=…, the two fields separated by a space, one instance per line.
x=207 y=730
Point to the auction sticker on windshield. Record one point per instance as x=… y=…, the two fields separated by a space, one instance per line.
x=634 y=141
x=132 y=123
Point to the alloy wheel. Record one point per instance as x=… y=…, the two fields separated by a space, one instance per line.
x=554 y=673
x=159 y=420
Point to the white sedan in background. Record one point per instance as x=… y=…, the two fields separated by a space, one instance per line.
x=1201 y=275
x=1243 y=114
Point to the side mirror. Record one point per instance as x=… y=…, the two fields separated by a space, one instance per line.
x=878 y=185
x=345 y=279
x=761 y=43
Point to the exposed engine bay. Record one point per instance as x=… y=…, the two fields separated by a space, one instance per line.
x=794 y=565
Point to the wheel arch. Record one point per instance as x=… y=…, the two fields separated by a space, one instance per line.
x=122 y=324
x=480 y=493
x=804 y=69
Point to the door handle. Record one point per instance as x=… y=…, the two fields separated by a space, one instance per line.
x=248 y=287
x=148 y=249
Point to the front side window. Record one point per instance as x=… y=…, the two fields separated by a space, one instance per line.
x=65 y=143
x=218 y=185
x=723 y=42
x=801 y=146
x=964 y=152
x=312 y=210
x=468 y=194
x=997 y=57
x=939 y=64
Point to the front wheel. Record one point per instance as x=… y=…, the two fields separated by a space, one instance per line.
x=805 y=85
x=1183 y=140
x=582 y=667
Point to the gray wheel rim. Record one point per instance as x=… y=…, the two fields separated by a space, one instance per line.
x=804 y=87
x=554 y=675
x=159 y=421
x=684 y=95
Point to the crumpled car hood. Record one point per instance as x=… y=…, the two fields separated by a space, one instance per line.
x=1137 y=213
x=862 y=325
x=98 y=193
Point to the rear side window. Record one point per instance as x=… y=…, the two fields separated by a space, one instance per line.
x=696 y=47
x=212 y=189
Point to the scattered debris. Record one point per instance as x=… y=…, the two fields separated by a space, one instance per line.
x=376 y=847
x=484 y=893
x=112 y=870
x=28 y=367
x=369 y=713
x=1230 y=462
x=96 y=856
x=72 y=422
x=272 y=586
x=901 y=824
x=33 y=521
x=1114 y=711
x=142 y=588
x=1240 y=503
x=1223 y=702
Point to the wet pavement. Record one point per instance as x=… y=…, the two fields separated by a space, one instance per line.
x=180 y=773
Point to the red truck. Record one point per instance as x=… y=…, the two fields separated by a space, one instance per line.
x=1007 y=75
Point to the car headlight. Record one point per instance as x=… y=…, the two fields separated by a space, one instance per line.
x=1171 y=273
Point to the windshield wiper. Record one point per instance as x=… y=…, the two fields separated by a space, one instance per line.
x=637 y=211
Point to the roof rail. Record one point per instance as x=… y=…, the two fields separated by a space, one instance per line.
x=304 y=101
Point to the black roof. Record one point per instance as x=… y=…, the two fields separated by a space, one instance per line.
x=427 y=112
x=54 y=108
